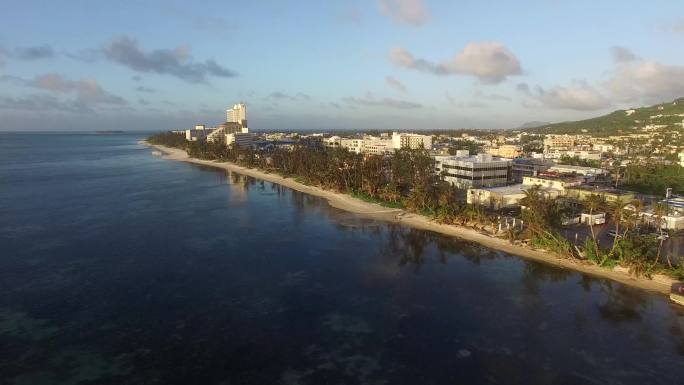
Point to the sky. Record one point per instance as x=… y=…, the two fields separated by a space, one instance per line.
x=347 y=64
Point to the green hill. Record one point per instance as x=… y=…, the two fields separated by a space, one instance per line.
x=618 y=122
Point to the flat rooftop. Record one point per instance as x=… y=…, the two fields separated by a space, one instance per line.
x=559 y=177
x=472 y=158
x=512 y=189
x=576 y=168
x=601 y=189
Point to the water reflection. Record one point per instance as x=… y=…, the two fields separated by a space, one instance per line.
x=225 y=279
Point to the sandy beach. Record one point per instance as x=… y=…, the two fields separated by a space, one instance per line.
x=659 y=283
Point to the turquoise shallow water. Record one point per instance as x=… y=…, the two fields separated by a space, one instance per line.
x=118 y=267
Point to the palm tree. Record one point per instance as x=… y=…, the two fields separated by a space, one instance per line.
x=617 y=211
x=532 y=197
x=638 y=209
x=659 y=211
x=593 y=202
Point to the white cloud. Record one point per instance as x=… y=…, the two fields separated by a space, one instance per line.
x=394 y=83
x=86 y=90
x=578 y=96
x=409 y=12
x=350 y=16
x=279 y=95
x=490 y=62
x=176 y=62
x=647 y=81
x=491 y=96
x=678 y=26
x=622 y=54
x=371 y=101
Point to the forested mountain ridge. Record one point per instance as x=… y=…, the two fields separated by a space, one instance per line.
x=668 y=116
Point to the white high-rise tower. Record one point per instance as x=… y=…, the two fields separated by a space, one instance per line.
x=238 y=114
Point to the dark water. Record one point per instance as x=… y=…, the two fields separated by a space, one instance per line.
x=118 y=267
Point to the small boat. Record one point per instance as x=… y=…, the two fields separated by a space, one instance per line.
x=157 y=153
x=677 y=293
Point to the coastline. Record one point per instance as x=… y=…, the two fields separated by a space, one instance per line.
x=659 y=283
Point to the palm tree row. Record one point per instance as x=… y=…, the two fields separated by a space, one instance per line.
x=407 y=179
x=641 y=253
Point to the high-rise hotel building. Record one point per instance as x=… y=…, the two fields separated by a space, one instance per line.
x=234 y=130
x=238 y=114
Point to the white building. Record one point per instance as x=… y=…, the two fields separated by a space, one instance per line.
x=368 y=145
x=200 y=132
x=332 y=142
x=560 y=183
x=234 y=130
x=482 y=170
x=414 y=141
x=377 y=146
x=353 y=145
x=240 y=139
x=581 y=154
x=238 y=114
x=508 y=196
x=579 y=170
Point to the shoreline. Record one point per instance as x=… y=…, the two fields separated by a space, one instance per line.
x=660 y=283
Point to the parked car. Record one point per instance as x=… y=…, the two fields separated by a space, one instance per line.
x=662 y=236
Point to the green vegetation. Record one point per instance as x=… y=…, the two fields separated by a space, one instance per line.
x=462 y=144
x=619 y=122
x=640 y=253
x=576 y=161
x=168 y=139
x=543 y=218
x=532 y=143
x=407 y=180
x=654 y=178
x=367 y=198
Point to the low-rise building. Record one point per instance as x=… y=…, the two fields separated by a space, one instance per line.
x=563 y=142
x=556 y=182
x=332 y=142
x=377 y=146
x=474 y=171
x=353 y=145
x=200 y=132
x=609 y=194
x=580 y=154
x=579 y=170
x=240 y=139
x=505 y=151
x=508 y=196
x=414 y=141
x=523 y=167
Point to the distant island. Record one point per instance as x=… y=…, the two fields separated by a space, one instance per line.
x=110 y=132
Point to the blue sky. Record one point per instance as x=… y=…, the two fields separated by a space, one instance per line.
x=406 y=64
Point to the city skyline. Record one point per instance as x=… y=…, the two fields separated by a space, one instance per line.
x=387 y=64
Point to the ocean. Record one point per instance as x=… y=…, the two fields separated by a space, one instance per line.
x=120 y=267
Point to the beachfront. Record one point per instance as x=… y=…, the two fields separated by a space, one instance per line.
x=659 y=283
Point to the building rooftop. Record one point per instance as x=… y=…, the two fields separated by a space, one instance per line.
x=576 y=168
x=512 y=189
x=474 y=158
x=602 y=189
x=557 y=177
